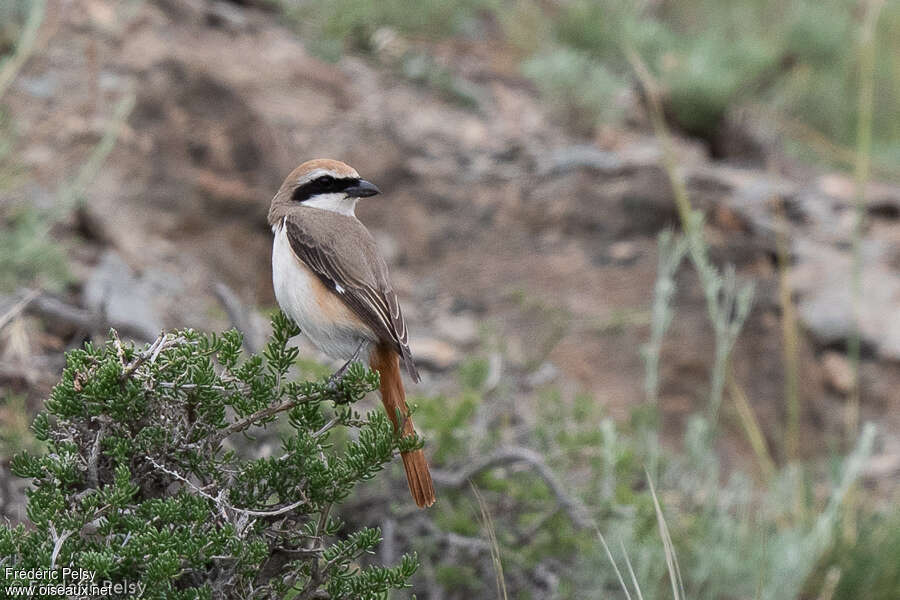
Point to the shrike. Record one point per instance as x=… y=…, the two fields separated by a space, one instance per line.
x=330 y=279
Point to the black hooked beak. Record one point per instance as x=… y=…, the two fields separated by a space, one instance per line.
x=362 y=189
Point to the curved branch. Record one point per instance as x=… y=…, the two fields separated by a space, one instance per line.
x=577 y=512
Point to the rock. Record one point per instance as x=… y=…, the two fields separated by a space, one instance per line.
x=460 y=329
x=228 y=17
x=544 y=374
x=827 y=313
x=43 y=86
x=838 y=372
x=563 y=160
x=434 y=354
x=822 y=279
x=879 y=196
x=126 y=303
x=885 y=465
x=837 y=186
x=624 y=251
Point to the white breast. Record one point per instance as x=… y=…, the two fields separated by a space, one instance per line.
x=295 y=291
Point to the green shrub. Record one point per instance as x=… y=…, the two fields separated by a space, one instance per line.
x=710 y=75
x=338 y=25
x=798 y=58
x=144 y=481
x=865 y=564
x=582 y=87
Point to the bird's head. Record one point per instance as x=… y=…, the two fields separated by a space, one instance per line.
x=321 y=183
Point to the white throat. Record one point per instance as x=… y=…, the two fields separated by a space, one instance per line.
x=336 y=202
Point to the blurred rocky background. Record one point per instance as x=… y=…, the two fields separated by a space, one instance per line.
x=524 y=191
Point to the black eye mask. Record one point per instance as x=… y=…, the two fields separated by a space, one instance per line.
x=325 y=184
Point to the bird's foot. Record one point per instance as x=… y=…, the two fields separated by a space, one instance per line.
x=338 y=375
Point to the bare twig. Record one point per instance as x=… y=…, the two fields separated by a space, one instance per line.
x=159 y=348
x=171 y=385
x=323 y=522
x=471 y=544
x=577 y=512
x=18 y=307
x=220 y=499
x=92 y=477
x=58 y=541
x=317 y=573
x=161 y=343
x=259 y=415
x=326 y=427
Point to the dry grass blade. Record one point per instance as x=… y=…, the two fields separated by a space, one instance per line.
x=789 y=333
x=867 y=51
x=24 y=47
x=648 y=83
x=668 y=546
x=615 y=566
x=637 y=587
x=751 y=428
x=495 y=546
x=71 y=195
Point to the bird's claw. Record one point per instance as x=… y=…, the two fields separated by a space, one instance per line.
x=338 y=375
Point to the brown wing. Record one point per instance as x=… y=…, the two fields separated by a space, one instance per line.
x=342 y=253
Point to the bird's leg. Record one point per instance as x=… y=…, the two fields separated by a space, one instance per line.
x=339 y=374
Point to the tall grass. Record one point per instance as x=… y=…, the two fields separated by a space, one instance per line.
x=796 y=552
x=790 y=336
x=867 y=52
x=728 y=303
x=671 y=251
x=488 y=524
x=672 y=567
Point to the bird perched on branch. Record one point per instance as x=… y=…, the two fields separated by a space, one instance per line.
x=331 y=280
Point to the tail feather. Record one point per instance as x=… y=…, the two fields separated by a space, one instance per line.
x=393 y=396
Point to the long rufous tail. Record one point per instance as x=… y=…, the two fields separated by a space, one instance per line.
x=393 y=396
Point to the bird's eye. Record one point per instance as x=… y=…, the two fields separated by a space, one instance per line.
x=326 y=180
